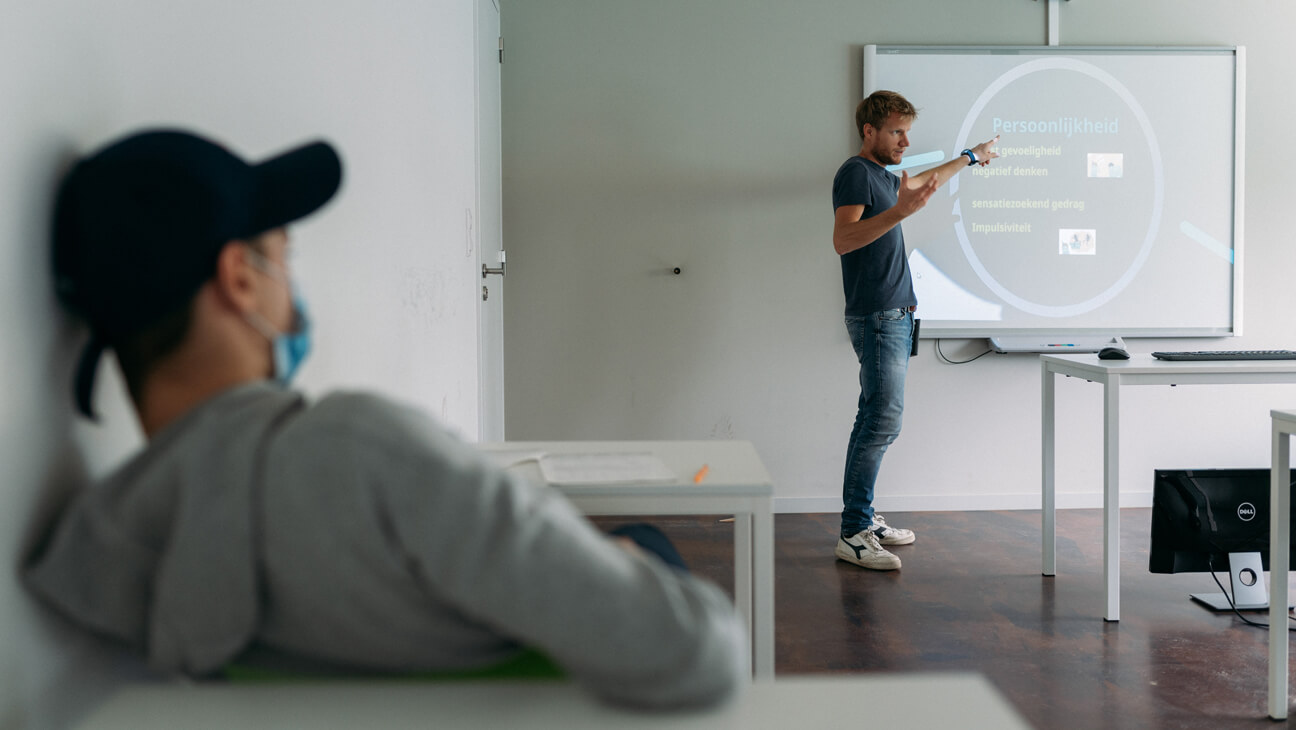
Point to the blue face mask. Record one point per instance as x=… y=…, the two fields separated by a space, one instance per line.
x=289 y=348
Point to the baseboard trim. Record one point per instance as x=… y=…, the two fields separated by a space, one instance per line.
x=960 y=502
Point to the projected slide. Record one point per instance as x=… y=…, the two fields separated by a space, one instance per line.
x=1110 y=209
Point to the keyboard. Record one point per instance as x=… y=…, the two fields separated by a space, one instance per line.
x=1227 y=355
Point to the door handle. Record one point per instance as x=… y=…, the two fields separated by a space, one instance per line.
x=488 y=270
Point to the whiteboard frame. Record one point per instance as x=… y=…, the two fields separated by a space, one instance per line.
x=870 y=84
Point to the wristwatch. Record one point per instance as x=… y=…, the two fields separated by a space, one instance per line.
x=971 y=157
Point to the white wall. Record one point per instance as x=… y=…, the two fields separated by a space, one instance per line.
x=387 y=269
x=643 y=136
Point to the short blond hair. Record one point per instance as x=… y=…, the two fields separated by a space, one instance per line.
x=874 y=109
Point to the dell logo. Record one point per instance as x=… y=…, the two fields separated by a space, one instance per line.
x=1246 y=511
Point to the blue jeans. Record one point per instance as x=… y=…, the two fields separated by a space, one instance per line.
x=882 y=342
x=652 y=540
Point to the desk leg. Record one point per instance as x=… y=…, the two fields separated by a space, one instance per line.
x=1048 y=497
x=1111 y=495
x=763 y=600
x=743 y=571
x=1279 y=531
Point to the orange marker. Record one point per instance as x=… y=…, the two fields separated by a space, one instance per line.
x=701 y=474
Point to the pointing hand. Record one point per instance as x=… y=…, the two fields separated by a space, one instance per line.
x=984 y=152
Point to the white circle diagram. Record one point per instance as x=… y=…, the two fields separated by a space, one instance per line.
x=1089 y=300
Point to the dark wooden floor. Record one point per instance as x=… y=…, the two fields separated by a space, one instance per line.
x=971 y=598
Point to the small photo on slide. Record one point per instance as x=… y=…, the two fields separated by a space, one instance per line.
x=1077 y=241
x=1106 y=164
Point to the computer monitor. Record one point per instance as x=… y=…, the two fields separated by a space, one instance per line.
x=1214 y=519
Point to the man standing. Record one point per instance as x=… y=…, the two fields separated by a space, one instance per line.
x=869 y=203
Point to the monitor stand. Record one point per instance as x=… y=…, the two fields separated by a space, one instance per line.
x=1246 y=578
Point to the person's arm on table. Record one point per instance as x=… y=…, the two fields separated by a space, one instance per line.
x=522 y=559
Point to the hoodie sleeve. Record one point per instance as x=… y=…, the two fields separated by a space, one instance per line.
x=521 y=559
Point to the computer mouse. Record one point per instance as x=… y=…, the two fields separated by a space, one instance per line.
x=1112 y=353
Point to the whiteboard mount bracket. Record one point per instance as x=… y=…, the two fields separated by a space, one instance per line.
x=1053 y=21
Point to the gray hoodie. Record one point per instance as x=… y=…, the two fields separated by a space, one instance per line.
x=356 y=532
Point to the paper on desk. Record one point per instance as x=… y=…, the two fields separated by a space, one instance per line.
x=620 y=468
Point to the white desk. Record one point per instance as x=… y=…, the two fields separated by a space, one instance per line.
x=1284 y=427
x=904 y=700
x=736 y=484
x=1113 y=374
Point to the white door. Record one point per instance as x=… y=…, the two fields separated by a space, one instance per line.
x=489 y=223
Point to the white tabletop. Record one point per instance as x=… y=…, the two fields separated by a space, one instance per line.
x=823 y=701
x=1147 y=365
x=733 y=481
x=732 y=467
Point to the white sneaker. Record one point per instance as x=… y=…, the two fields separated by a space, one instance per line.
x=888 y=535
x=863 y=549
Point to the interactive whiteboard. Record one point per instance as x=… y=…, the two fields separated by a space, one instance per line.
x=1115 y=209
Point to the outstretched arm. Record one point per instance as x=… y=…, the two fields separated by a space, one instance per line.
x=941 y=173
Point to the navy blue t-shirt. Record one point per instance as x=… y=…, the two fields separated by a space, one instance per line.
x=875 y=277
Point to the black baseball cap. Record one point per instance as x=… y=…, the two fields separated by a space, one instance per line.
x=138 y=226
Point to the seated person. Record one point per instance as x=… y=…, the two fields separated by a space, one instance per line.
x=349 y=531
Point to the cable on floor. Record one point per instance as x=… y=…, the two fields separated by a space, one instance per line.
x=1229 y=597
